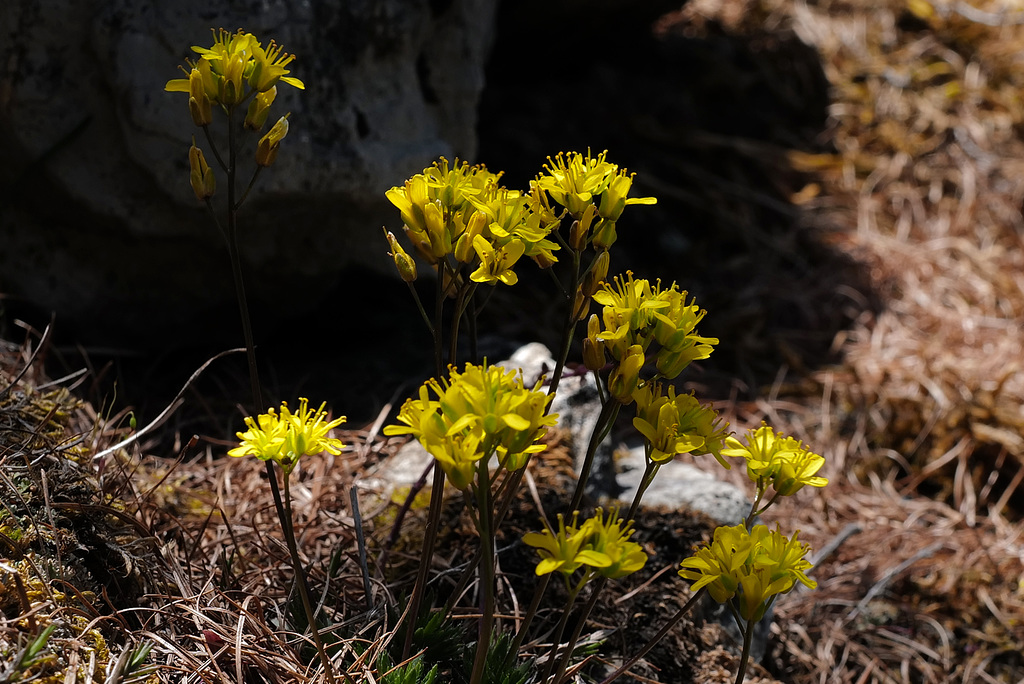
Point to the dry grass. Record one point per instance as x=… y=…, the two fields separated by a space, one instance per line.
x=923 y=416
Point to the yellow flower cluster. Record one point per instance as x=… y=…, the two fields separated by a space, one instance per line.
x=599 y=543
x=636 y=314
x=287 y=436
x=783 y=461
x=578 y=181
x=481 y=411
x=751 y=568
x=461 y=212
x=236 y=67
x=677 y=424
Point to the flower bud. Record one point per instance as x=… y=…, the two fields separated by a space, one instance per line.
x=581 y=229
x=403 y=262
x=200 y=174
x=440 y=239
x=580 y=305
x=266 y=151
x=613 y=201
x=198 y=101
x=597 y=273
x=625 y=377
x=231 y=87
x=464 y=251
x=259 y=108
x=593 y=348
x=604 y=234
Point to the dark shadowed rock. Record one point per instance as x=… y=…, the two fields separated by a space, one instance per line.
x=97 y=217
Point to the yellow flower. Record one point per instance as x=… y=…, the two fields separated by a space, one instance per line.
x=775 y=458
x=598 y=543
x=496 y=263
x=593 y=346
x=436 y=209
x=628 y=313
x=608 y=548
x=675 y=330
x=512 y=216
x=625 y=377
x=308 y=431
x=559 y=551
x=263 y=439
x=677 y=424
x=614 y=199
x=637 y=312
x=574 y=179
x=268 y=68
x=288 y=436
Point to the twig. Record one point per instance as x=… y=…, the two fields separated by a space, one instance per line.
x=166 y=413
x=890 y=574
x=31 y=359
x=361 y=540
x=837 y=541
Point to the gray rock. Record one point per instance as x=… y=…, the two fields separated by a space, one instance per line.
x=680 y=484
x=97 y=214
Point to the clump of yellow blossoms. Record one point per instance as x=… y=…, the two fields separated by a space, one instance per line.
x=474 y=414
x=285 y=437
x=773 y=458
x=600 y=544
x=461 y=212
x=750 y=569
x=234 y=69
x=576 y=181
x=637 y=314
x=677 y=424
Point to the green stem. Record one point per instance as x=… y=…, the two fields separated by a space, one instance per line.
x=571 y=646
x=300 y=578
x=560 y=628
x=649 y=472
x=486 y=570
x=748 y=635
x=231 y=236
x=569 y=328
x=419 y=305
x=609 y=412
x=213 y=147
x=531 y=612
x=438 y=319
x=437 y=486
x=662 y=633
x=754 y=512
x=429 y=539
x=462 y=298
x=252 y=183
